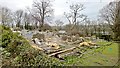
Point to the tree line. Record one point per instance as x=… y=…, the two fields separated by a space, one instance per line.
x=41 y=14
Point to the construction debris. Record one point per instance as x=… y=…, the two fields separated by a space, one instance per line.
x=63 y=51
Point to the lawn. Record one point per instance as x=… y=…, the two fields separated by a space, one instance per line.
x=107 y=56
x=112 y=50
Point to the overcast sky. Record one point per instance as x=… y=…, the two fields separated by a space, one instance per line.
x=92 y=7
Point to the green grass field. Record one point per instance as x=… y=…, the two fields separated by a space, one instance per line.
x=112 y=50
x=107 y=56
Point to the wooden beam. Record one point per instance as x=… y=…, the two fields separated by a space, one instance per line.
x=63 y=51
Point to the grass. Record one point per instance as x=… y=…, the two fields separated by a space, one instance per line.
x=107 y=57
x=111 y=50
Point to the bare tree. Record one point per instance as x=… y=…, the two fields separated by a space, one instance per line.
x=6 y=16
x=58 y=23
x=94 y=26
x=74 y=15
x=111 y=14
x=87 y=27
x=0 y=14
x=108 y=13
x=18 y=17
x=27 y=20
x=41 y=11
x=117 y=22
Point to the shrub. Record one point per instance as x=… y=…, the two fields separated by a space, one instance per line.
x=106 y=37
x=6 y=36
x=18 y=52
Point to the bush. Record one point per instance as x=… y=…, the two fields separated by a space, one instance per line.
x=105 y=37
x=18 y=52
x=6 y=36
